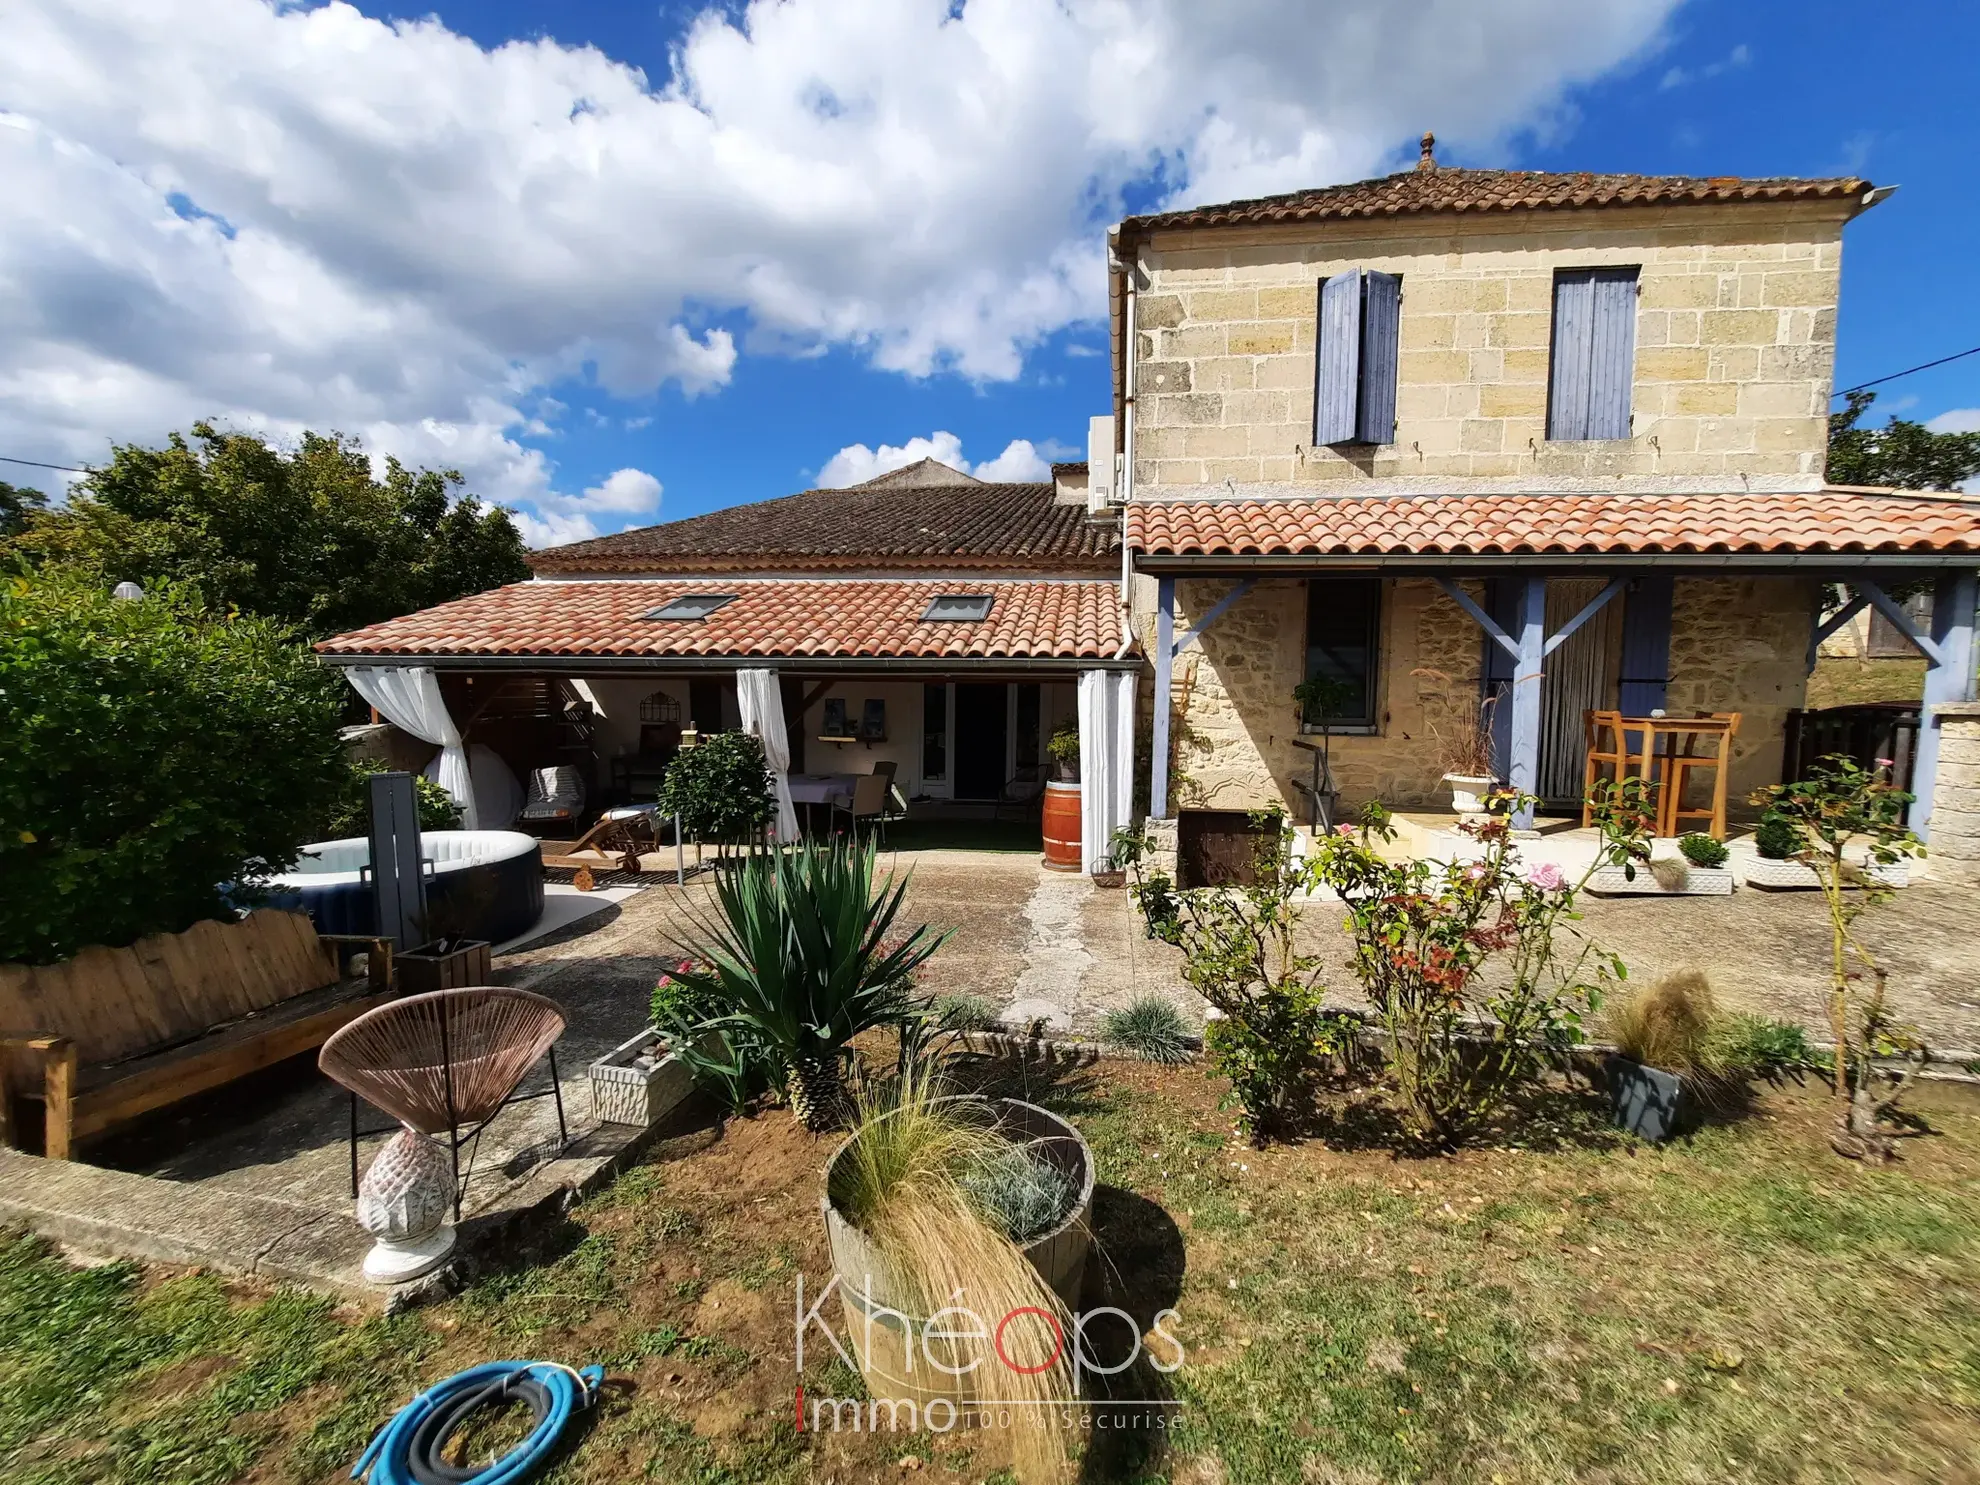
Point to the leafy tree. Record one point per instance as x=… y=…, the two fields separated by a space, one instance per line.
x=720 y=789
x=351 y=814
x=1902 y=454
x=153 y=753
x=307 y=537
x=16 y=504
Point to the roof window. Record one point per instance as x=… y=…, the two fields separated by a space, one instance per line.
x=958 y=608
x=691 y=606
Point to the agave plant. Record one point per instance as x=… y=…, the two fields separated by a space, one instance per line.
x=798 y=955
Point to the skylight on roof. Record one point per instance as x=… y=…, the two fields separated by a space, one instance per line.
x=691 y=606
x=958 y=608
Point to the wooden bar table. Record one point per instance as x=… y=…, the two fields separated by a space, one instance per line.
x=1657 y=765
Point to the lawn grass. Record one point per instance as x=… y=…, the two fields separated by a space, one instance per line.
x=1741 y=1306
x=1841 y=680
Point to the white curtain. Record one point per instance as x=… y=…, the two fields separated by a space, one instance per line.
x=761 y=703
x=409 y=698
x=1106 y=760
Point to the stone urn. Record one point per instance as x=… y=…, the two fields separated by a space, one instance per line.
x=403 y=1203
x=1468 y=792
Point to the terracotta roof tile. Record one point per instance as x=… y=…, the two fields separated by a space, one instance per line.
x=947 y=526
x=1446 y=189
x=1836 y=519
x=1035 y=620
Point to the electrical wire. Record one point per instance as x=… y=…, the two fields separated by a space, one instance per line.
x=1860 y=386
x=37 y=464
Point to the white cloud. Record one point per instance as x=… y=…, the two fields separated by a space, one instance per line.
x=293 y=215
x=1957 y=420
x=1677 y=77
x=621 y=496
x=1021 y=460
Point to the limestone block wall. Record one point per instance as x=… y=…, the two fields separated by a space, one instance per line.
x=1735 y=341
x=1955 y=849
x=1736 y=645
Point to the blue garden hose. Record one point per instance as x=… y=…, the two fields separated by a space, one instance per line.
x=410 y=1449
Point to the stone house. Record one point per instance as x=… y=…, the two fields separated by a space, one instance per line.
x=1449 y=434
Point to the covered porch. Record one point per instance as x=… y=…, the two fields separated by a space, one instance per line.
x=1415 y=611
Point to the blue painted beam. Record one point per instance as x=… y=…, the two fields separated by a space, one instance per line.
x=1484 y=620
x=1835 y=621
x=1217 y=611
x=1948 y=678
x=1595 y=605
x=1524 y=765
x=1900 y=620
x=1165 y=658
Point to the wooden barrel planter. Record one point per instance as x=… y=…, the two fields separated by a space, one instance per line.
x=1059 y=1255
x=1062 y=827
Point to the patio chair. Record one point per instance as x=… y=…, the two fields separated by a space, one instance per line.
x=1679 y=765
x=1608 y=747
x=447 y=1060
x=555 y=795
x=896 y=802
x=1022 y=790
x=869 y=801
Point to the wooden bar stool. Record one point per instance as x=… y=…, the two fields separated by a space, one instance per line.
x=1607 y=748
x=1684 y=759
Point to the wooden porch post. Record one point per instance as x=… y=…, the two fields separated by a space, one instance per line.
x=1158 y=762
x=1524 y=765
x=1948 y=677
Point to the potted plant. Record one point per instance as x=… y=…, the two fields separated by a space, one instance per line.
x=450 y=959
x=720 y=789
x=795 y=962
x=959 y=1229
x=1063 y=748
x=1782 y=857
x=643 y=1079
x=1659 y=1034
x=1698 y=870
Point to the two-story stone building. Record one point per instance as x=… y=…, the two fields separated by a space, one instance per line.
x=1558 y=438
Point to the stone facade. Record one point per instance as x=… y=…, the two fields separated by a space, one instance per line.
x=1737 y=644
x=1735 y=341
x=1956 y=801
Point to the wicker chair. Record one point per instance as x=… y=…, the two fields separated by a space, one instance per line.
x=447 y=1060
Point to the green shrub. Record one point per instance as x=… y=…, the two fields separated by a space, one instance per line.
x=720 y=789
x=1776 y=837
x=799 y=960
x=963 y=1012
x=1150 y=1027
x=153 y=753
x=1748 y=1046
x=351 y=813
x=1018 y=1193
x=1703 y=850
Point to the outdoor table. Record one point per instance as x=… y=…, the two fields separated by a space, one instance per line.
x=833 y=790
x=1655 y=757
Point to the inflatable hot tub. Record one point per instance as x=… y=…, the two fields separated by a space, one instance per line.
x=494 y=878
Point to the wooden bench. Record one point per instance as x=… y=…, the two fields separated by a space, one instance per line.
x=118 y=1033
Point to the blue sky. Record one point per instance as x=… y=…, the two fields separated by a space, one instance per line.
x=831 y=225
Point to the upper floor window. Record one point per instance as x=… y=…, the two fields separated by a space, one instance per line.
x=1343 y=628
x=1354 y=369
x=1594 y=353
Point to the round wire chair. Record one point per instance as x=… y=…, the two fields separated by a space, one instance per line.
x=445 y=1060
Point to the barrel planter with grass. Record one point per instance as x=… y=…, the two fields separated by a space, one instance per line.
x=1058 y=1254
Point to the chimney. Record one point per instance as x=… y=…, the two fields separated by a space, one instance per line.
x=1427 y=160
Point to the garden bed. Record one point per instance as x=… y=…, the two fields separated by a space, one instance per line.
x=1566 y=1311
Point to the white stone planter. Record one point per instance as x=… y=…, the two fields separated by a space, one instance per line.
x=1468 y=792
x=1699 y=881
x=1791 y=876
x=629 y=1086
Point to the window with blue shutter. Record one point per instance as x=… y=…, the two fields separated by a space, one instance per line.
x=1594 y=353
x=1354 y=366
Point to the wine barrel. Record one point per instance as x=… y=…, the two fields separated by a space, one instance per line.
x=1062 y=827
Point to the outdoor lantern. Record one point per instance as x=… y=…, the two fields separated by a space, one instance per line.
x=127 y=591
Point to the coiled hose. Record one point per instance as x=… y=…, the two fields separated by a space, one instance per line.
x=410 y=1449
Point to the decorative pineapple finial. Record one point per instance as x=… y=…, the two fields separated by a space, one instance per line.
x=1427 y=160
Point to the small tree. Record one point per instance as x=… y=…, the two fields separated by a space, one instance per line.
x=1902 y=454
x=350 y=814
x=153 y=754
x=1838 y=805
x=720 y=789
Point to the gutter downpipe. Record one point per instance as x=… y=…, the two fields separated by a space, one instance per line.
x=1124 y=485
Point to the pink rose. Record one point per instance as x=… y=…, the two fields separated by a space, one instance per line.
x=1547 y=877
x=1344 y=830
x=1887 y=763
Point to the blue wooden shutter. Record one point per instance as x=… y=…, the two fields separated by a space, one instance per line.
x=1381 y=319
x=1567 y=392
x=1495 y=676
x=1337 y=359
x=1646 y=644
x=1611 y=352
